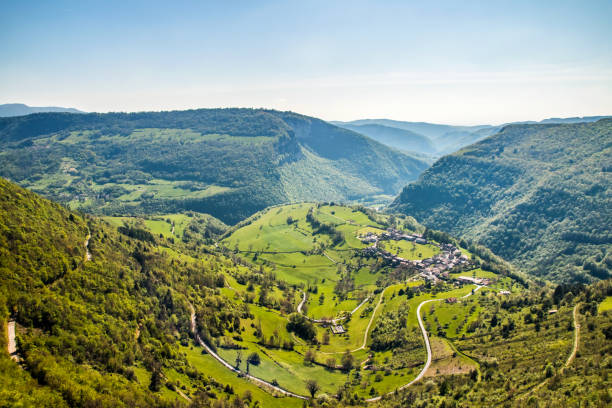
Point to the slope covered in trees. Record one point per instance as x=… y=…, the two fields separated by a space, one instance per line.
x=113 y=329
x=537 y=195
x=226 y=162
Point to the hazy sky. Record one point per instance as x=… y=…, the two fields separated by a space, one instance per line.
x=454 y=62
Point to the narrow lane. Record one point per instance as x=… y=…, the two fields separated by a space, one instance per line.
x=258 y=381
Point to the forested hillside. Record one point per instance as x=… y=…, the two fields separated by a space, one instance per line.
x=111 y=328
x=226 y=162
x=537 y=195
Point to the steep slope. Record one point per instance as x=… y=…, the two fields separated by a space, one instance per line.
x=399 y=138
x=20 y=109
x=538 y=195
x=112 y=328
x=226 y=162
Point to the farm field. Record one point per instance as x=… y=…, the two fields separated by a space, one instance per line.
x=606 y=304
x=315 y=255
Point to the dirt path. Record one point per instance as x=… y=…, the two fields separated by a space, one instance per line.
x=299 y=308
x=576 y=339
x=367 y=330
x=258 y=381
x=570 y=358
x=12 y=344
x=328 y=257
x=86 y=245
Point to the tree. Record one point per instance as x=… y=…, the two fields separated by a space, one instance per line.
x=238 y=359
x=254 y=359
x=301 y=326
x=156 y=381
x=309 y=356
x=331 y=362
x=325 y=337
x=347 y=361
x=312 y=386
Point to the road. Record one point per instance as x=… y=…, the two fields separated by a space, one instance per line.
x=258 y=381
x=367 y=330
x=328 y=257
x=266 y=385
x=427 y=346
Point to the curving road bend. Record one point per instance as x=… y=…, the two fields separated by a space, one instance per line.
x=266 y=385
x=427 y=346
x=258 y=381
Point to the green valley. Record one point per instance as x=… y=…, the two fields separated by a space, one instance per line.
x=228 y=163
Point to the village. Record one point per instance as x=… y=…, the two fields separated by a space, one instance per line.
x=435 y=268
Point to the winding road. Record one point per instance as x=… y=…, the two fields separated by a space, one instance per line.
x=266 y=385
x=427 y=346
x=258 y=381
x=570 y=358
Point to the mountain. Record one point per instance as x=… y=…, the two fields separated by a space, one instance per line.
x=103 y=314
x=19 y=109
x=123 y=315
x=402 y=139
x=228 y=163
x=537 y=195
x=443 y=139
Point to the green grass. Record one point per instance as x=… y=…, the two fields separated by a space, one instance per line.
x=270 y=232
x=606 y=304
x=410 y=250
x=211 y=367
x=476 y=273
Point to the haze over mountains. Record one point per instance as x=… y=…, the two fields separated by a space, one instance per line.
x=431 y=138
x=20 y=109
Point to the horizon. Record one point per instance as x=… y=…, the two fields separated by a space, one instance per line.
x=329 y=121
x=454 y=64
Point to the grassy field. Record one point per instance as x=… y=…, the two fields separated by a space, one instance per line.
x=211 y=367
x=606 y=304
x=281 y=241
x=410 y=250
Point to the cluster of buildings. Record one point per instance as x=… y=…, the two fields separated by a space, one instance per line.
x=431 y=268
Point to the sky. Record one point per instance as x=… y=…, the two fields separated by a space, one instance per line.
x=456 y=62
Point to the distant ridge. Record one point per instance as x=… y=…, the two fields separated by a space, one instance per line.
x=229 y=163
x=20 y=109
x=445 y=139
